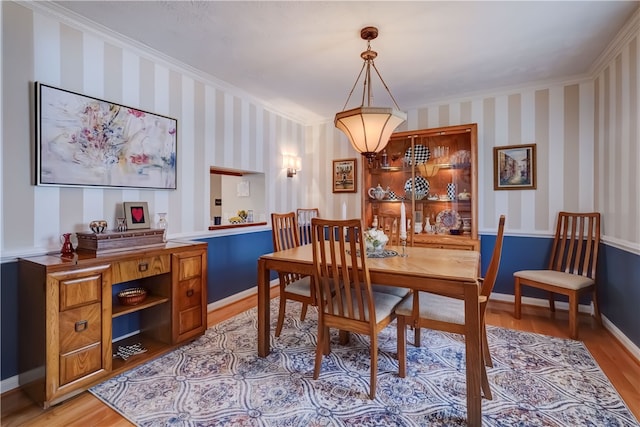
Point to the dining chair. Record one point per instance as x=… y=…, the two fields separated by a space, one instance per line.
x=444 y=313
x=343 y=288
x=304 y=223
x=572 y=266
x=390 y=224
x=293 y=286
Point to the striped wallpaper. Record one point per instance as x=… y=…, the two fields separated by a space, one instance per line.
x=586 y=130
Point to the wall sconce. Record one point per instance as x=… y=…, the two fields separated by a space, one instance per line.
x=292 y=164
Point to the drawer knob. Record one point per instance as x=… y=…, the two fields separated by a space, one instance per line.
x=82 y=325
x=190 y=293
x=143 y=266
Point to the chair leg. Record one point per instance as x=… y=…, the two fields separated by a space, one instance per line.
x=517 y=293
x=320 y=348
x=552 y=301
x=486 y=389
x=402 y=346
x=374 y=365
x=416 y=336
x=283 y=304
x=573 y=315
x=596 y=308
x=327 y=341
x=486 y=354
x=303 y=312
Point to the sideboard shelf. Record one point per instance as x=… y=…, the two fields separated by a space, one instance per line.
x=150 y=301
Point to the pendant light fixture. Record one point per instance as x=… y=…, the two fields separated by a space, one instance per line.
x=369 y=128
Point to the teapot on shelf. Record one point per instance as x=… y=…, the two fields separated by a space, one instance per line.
x=465 y=195
x=378 y=192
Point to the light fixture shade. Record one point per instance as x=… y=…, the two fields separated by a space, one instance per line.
x=292 y=164
x=369 y=128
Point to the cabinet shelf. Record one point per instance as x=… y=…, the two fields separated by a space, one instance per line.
x=150 y=301
x=407 y=169
x=154 y=348
x=420 y=201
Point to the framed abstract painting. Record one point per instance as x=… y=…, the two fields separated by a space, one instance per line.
x=88 y=142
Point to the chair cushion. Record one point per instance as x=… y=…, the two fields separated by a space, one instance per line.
x=384 y=304
x=391 y=290
x=434 y=307
x=556 y=278
x=300 y=287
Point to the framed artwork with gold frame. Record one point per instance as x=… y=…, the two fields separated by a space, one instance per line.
x=345 y=176
x=514 y=167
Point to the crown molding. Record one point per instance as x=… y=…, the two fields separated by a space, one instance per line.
x=628 y=31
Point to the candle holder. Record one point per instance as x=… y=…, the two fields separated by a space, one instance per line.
x=403 y=242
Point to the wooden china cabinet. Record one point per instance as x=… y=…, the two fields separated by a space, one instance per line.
x=434 y=172
x=68 y=310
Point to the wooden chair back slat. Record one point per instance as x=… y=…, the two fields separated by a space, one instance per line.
x=390 y=224
x=343 y=285
x=576 y=242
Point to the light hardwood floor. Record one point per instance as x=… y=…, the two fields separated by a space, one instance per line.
x=618 y=364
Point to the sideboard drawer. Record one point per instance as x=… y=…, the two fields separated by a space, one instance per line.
x=125 y=271
x=80 y=290
x=80 y=327
x=80 y=363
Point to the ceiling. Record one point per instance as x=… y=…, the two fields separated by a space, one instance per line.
x=302 y=57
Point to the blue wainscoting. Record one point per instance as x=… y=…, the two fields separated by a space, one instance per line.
x=518 y=253
x=232 y=268
x=232 y=262
x=9 y=319
x=619 y=290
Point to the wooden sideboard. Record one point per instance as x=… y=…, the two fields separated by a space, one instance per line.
x=68 y=305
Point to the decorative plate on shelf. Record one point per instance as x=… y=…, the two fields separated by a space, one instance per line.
x=422 y=154
x=448 y=219
x=391 y=195
x=417 y=185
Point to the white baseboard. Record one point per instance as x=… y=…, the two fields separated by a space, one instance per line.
x=237 y=297
x=9 y=384
x=582 y=308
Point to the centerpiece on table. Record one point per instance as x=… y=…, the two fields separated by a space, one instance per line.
x=375 y=240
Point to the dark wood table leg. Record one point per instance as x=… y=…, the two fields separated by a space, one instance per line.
x=264 y=321
x=473 y=355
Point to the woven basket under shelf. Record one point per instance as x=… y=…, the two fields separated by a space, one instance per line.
x=132 y=296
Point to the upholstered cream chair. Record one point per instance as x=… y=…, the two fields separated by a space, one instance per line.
x=427 y=310
x=293 y=286
x=572 y=266
x=343 y=288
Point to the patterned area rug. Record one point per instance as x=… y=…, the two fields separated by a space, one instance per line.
x=218 y=380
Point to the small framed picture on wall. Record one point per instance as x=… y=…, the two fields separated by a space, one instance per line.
x=345 y=176
x=514 y=167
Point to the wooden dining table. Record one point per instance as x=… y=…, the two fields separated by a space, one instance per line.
x=451 y=272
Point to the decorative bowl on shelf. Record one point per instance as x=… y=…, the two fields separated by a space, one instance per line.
x=132 y=296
